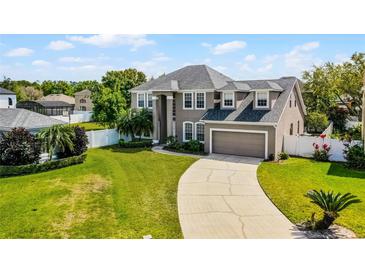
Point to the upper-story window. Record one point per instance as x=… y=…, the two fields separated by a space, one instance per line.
x=82 y=101
x=200 y=100
x=10 y=101
x=149 y=100
x=188 y=100
x=140 y=99
x=262 y=99
x=228 y=98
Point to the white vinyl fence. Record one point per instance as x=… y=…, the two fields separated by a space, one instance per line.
x=105 y=137
x=303 y=146
x=76 y=117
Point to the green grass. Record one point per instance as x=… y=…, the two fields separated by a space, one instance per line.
x=287 y=182
x=90 y=126
x=115 y=193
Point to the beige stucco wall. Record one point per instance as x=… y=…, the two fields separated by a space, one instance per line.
x=290 y=115
x=88 y=104
x=193 y=115
x=270 y=130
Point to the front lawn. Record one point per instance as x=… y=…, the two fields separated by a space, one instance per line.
x=90 y=126
x=115 y=193
x=286 y=184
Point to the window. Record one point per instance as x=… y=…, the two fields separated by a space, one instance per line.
x=262 y=99
x=228 y=98
x=174 y=105
x=200 y=100
x=188 y=131
x=149 y=100
x=82 y=108
x=298 y=127
x=291 y=129
x=82 y=101
x=199 y=132
x=290 y=103
x=188 y=100
x=141 y=100
x=10 y=101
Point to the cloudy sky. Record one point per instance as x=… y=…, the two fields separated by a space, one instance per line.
x=88 y=57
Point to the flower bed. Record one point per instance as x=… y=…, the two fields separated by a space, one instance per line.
x=6 y=171
x=181 y=150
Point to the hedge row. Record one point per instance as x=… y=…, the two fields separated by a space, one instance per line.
x=6 y=171
x=135 y=144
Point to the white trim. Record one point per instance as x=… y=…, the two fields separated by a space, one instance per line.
x=238 y=130
x=196 y=101
x=267 y=99
x=169 y=97
x=196 y=130
x=192 y=100
x=144 y=99
x=192 y=131
x=233 y=99
x=239 y=123
x=154 y=97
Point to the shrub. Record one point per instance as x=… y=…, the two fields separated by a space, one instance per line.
x=193 y=146
x=135 y=144
x=79 y=141
x=271 y=157
x=338 y=116
x=331 y=204
x=354 y=156
x=283 y=156
x=6 y=171
x=172 y=142
x=19 y=147
x=316 y=122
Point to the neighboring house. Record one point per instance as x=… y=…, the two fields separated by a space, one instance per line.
x=7 y=98
x=32 y=121
x=248 y=118
x=50 y=108
x=83 y=100
x=59 y=98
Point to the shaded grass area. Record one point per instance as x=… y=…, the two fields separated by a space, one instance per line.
x=90 y=126
x=287 y=182
x=115 y=193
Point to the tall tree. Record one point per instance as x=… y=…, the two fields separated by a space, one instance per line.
x=57 y=87
x=123 y=80
x=109 y=105
x=89 y=84
x=332 y=83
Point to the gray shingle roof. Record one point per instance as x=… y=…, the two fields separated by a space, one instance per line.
x=17 y=117
x=252 y=85
x=246 y=113
x=187 y=78
x=83 y=92
x=6 y=91
x=53 y=103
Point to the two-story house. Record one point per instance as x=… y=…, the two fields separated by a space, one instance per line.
x=248 y=118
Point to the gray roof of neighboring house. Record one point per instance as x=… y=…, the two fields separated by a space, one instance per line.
x=6 y=91
x=17 y=117
x=245 y=112
x=251 y=85
x=59 y=97
x=187 y=78
x=83 y=92
x=53 y=103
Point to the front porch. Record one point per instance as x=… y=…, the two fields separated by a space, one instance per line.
x=163 y=113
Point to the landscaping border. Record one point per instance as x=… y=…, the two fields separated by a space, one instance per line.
x=7 y=171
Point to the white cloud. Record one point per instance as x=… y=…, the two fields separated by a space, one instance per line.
x=341 y=58
x=250 y=58
x=113 y=40
x=265 y=68
x=40 y=63
x=270 y=58
x=19 y=52
x=71 y=59
x=220 y=68
x=60 y=45
x=245 y=67
x=225 y=47
x=88 y=67
x=154 y=66
x=300 y=57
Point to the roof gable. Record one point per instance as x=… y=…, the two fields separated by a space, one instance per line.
x=4 y=91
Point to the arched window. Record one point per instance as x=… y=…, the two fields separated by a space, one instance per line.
x=187 y=131
x=199 y=131
x=10 y=101
x=82 y=101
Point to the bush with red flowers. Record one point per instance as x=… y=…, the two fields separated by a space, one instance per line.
x=321 y=152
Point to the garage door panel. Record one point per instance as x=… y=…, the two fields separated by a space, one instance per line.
x=239 y=143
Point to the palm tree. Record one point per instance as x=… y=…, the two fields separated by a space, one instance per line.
x=143 y=123
x=331 y=204
x=125 y=124
x=57 y=137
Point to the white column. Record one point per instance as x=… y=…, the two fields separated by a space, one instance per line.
x=155 y=119
x=169 y=100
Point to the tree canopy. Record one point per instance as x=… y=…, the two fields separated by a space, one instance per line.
x=330 y=84
x=123 y=80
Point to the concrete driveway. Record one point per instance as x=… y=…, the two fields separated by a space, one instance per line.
x=219 y=197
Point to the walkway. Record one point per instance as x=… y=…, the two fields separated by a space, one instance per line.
x=219 y=197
